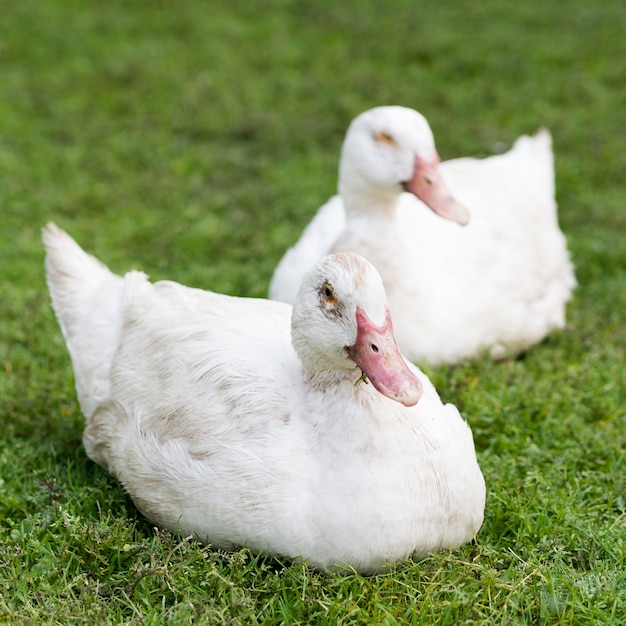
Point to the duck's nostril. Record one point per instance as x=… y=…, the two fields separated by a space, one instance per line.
x=374 y=347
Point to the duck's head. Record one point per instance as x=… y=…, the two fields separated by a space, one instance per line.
x=388 y=150
x=341 y=322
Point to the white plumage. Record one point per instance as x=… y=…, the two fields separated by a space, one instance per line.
x=500 y=282
x=217 y=427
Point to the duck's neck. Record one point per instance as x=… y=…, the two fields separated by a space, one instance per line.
x=374 y=231
x=369 y=203
x=323 y=380
x=343 y=393
x=351 y=418
x=328 y=374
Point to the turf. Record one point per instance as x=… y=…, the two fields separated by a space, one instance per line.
x=195 y=141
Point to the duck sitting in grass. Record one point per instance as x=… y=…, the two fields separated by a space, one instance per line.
x=299 y=432
x=495 y=275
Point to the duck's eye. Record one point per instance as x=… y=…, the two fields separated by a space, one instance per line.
x=385 y=137
x=327 y=294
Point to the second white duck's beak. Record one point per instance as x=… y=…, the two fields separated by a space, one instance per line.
x=377 y=354
x=427 y=184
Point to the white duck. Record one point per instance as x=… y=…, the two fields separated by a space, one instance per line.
x=222 y=423
x=500 y=282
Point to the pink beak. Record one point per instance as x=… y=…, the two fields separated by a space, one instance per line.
x=427 y=184
x=377 y=354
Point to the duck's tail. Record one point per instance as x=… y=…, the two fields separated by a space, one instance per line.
x=536 y=157
x=88 y=301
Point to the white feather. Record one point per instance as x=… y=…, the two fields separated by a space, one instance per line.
x=500 y=283
x=199 y=404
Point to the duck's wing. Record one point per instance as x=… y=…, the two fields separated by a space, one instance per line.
x=316 y=241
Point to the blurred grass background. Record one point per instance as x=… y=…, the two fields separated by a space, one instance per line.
x=195 y=140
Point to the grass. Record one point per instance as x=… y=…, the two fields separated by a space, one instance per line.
x=195 y=142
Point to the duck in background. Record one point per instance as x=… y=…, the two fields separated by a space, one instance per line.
x=494 y=276
x=301 y=432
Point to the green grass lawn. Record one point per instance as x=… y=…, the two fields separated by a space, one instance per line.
x=195 y=140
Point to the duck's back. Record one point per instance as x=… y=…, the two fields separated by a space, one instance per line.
x=503 y=280
x=205 y=414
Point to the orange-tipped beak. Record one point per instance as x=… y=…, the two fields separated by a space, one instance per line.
x=377 y=354
x=427 y=184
